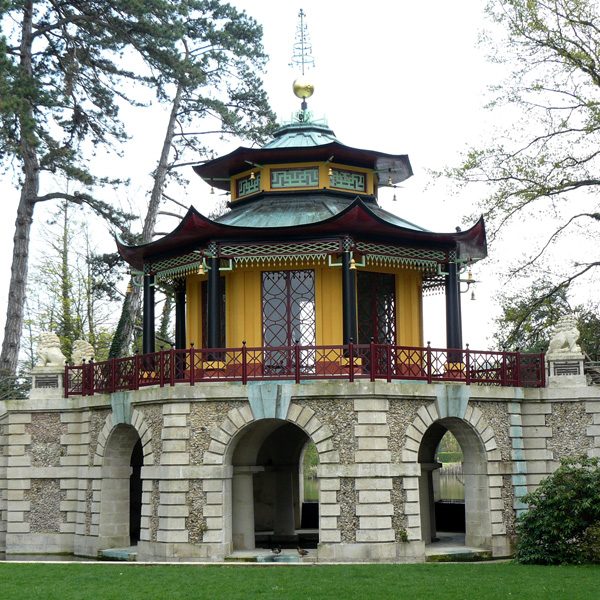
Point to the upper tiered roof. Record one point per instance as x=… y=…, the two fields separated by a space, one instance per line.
x=264 y=209
x=304 y=140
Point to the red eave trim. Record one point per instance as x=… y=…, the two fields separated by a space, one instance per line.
x=195 y=230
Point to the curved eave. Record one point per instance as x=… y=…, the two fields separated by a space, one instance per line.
x=193 y=229
x=358 y=220
x=217 y=172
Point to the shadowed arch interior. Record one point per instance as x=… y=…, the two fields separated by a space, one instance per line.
x=478 y=529
x=267 y=507
x=121 y=498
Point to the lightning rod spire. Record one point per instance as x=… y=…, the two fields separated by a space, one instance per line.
x=304 y=59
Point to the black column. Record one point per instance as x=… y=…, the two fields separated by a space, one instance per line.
x=180 y=341
x=213 y=325
x=349 y=316
x=148 y=335
x=453 y=319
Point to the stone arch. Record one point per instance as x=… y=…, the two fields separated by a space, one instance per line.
x=221 y=447
x=138 y=422
x=427 y=415
x=480 y=451
x=121 y=451
x=247 y=462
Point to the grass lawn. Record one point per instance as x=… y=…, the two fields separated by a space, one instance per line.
x=100 y=581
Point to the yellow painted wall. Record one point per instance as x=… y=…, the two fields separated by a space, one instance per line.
x=328 y=299
x=324 y=176
x=409 y=307
x=243 y=307
x=243 y=302
x=264 y=182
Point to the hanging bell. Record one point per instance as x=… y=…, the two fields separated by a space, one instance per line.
x=472 y=294
x=352 y=264
x=201 y=269
x=252 y=176
x=212 y=190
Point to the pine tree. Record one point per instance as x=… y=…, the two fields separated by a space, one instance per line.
x=63 y=69
x=220 y=90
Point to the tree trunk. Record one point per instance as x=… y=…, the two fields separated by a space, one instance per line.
x=66 y=328
x=131 y=305
x=18 y=279
x=29 y=193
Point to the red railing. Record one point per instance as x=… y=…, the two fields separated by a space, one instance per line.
x=301 y=363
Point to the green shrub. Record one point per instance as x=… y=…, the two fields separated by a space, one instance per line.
x=563 y=521
x=590 y=546
x=450 y=457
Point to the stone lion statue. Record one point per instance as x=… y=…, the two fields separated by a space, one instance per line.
x=48 y=351
x=566 y=334
x=82 y=350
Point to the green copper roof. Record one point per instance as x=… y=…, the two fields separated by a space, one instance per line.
x=299 y=134
x=300 y=209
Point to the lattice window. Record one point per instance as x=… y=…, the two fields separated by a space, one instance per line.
x=288 y=305
x=204 y=292
x=376 y=304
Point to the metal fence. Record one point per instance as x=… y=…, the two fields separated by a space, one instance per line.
x=301 y=363
x=14 y=388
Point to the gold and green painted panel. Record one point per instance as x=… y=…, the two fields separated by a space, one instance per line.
x=248 y=185
x=303 y=177
x=354 y=181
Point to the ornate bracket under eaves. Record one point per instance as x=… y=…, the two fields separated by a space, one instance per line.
x=247 y=253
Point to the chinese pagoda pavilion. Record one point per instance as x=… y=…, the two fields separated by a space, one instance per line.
x=299 y=322
x=306 y=254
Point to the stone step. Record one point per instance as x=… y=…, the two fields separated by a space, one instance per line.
x=262 y=556
x=458 y=555
x=125 y=554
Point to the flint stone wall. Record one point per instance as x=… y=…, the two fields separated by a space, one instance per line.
x=51 y=473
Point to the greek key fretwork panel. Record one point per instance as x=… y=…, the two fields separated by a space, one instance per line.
x=294 y=178
x=248 y=186
x=348 y=180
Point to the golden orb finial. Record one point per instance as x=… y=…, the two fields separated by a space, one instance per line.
x=303 y=88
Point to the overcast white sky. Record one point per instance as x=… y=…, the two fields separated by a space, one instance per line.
x=399 y=77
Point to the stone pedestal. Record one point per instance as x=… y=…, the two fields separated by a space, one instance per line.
x=565 y=369
x=47 y=382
